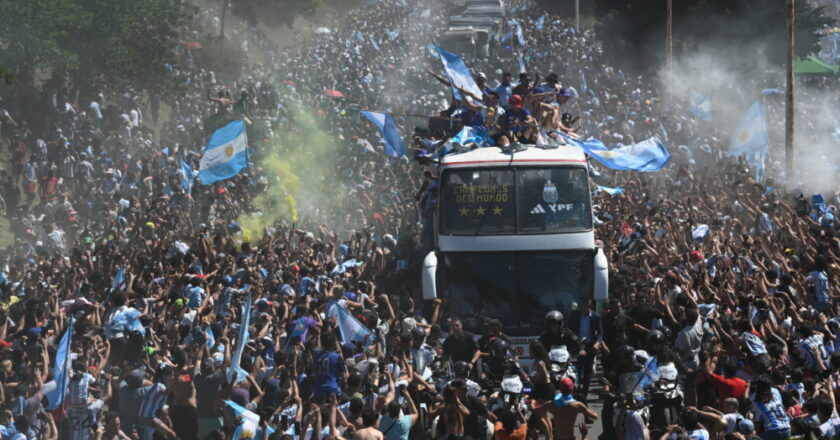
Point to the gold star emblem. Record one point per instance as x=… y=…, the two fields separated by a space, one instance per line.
x=464 y=211
x=497 y=210
x=480 y=211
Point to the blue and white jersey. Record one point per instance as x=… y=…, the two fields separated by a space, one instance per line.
x=153 y=401
x=772 y=413
x=78 y=389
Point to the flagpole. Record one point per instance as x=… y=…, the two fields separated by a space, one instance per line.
x=669 y=44
x=401 y=114
x=789 y=98
x=577 y=15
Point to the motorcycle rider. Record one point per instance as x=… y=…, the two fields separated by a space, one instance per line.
x=556 y=334
x=461 y=370
x=499 y=364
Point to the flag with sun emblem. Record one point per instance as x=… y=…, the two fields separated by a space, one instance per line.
x=751 y=134
x=225 y=155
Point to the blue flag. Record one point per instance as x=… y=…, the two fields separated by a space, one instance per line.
x=241 y=340
x=458 y=73
x=517 y=29
x=189 y=177
x=119 y=279
x=751 y=134
x=522 y=68
x=650 y=373
x=225 y=155
x=469 y=135
x=359 y=37
x=373 y=42
x=433 y=52
x=583 y=86
x=701 y=106
x=62 y=364
x=351 y=329
x=611 y=191
x=647 y=156
x=385 y=123
x=540 y=23
x=209 y=338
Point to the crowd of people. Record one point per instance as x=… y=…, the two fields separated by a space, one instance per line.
x=727 y=282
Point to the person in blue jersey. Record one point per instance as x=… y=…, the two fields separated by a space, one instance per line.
x=768 y=410
x=329 y=369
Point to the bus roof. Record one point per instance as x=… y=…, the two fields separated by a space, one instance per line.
x=493 y=156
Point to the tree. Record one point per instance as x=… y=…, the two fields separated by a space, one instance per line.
x=750 y=32
x=93 y=41
x=273 y=12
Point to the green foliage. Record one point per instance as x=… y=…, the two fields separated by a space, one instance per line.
x=751 y=32
x=93 y=41
x=273 y=12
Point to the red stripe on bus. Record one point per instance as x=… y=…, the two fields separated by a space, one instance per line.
x=517 y=161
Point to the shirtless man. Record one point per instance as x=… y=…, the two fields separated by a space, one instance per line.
x=565 y=410
x=184 y=411
x=370 y=419
x=452 y=413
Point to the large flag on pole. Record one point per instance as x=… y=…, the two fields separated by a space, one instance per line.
x=390 y=132
x=751 y=134
x=62 y=363
x=241 y=340
x=226 y=153
x=351 y=329
x=458 y=73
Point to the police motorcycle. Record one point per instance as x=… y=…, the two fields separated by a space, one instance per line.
x=562 y=365
x=623 y=382
x=665 y=397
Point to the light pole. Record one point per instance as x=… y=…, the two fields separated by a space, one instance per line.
x=789 y=98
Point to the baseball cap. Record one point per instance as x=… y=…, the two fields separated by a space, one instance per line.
x=565 y=92
x=695 y=256
x=515 y=101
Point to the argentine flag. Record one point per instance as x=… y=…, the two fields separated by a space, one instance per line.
x=351 y=329
x=646 y=156
x=189 y=177
x=62 y=363
x=540 y=23
x=225 y=155
x=250 y=423
x=459 y=75
x=701 y=106
x=751 y=134
x=241 y=340
x=385 y=123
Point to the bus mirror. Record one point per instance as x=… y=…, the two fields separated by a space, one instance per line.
x=602 y=276
x=429 y=278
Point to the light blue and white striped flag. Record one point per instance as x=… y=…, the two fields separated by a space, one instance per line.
x=701 y=106
x=751 y=134
x=390 y=132
x=241 y=340
x=189 y=177
x=647 y=156
x=458 y=73
x=351 y=329
x=62 y=364
x=226 y=153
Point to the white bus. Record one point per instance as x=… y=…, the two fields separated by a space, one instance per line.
x=514 y=238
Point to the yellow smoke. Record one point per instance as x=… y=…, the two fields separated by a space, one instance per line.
x=299 y=164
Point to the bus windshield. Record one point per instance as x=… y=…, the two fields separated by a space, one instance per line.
x=525 y=200
x=517 y=288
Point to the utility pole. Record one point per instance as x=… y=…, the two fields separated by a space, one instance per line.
x=577 y=16
x=669 y=45
x=789 y=98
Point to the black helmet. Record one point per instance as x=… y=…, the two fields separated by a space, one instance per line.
x=554 y=317
x=656 y=337
x=626 y=353
x=499 y=348
x=461 y=368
